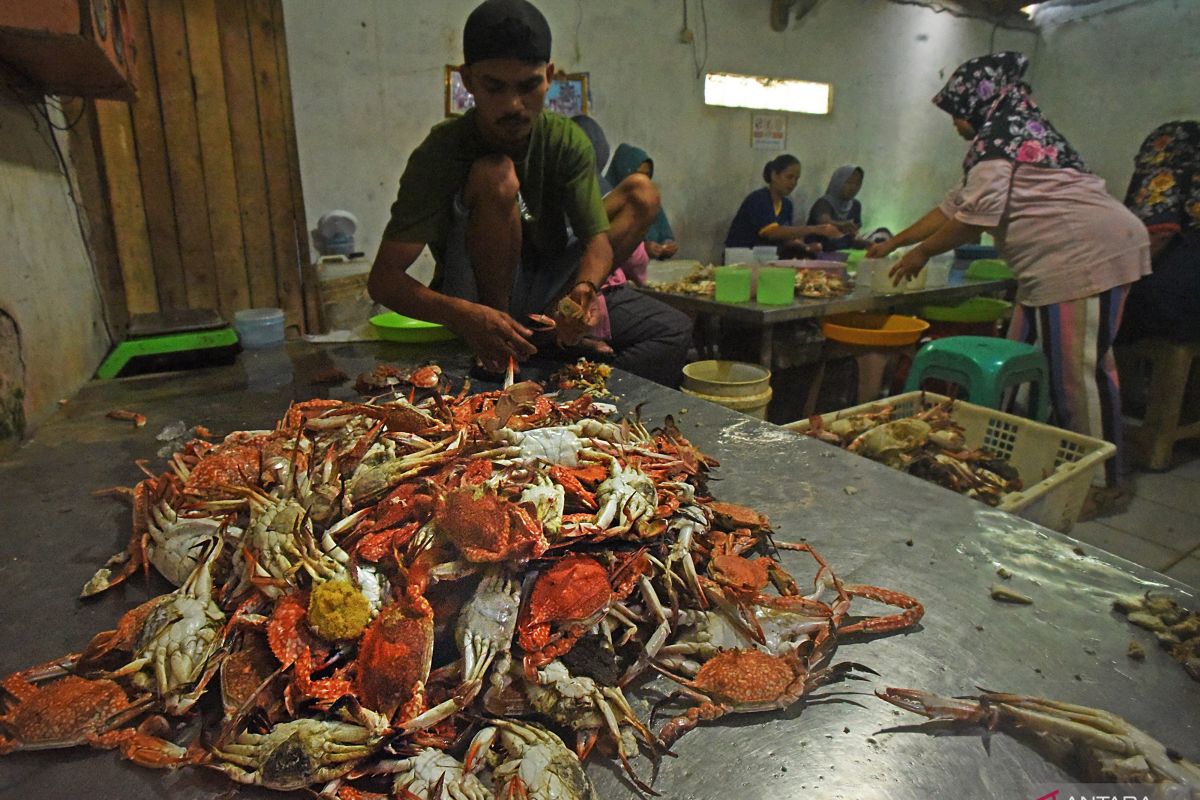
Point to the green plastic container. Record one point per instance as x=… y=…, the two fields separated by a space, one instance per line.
x=776 y=286
x=732 y=284
x=974 y=309
x=852 y=259
x=989 y=269
x=399 y=328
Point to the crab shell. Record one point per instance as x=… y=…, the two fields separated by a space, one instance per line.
x=394 y=658
x=573 y=592
x=488 y=528
x=740 y=574
x=68 y=712
x=749 y=677
x=729 y=516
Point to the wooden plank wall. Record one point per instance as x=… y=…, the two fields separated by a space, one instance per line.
x=194 y=188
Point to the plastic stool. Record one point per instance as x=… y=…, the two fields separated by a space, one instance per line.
x=1152 y=442
x=985 y=367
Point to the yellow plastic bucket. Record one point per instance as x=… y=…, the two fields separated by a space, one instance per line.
x=734 y=384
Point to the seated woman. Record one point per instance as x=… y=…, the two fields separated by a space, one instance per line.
x=838 y=207
x=665 y=331
x=1164 y=193
x=660 y=239
x=765 y=216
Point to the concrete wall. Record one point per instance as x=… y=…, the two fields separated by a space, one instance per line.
x=52 y=334
x=1108 y=78
x=367 y=85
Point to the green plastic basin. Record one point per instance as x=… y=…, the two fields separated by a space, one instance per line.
x=989 y=269
x=399 y=328
x=974 y=309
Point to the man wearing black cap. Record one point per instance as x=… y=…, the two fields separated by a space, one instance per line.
x=507 y=199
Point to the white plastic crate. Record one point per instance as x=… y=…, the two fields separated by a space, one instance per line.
x=1056 y=465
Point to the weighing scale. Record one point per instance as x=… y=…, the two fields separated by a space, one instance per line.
x=171 y=340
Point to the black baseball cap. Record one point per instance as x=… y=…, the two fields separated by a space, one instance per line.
x=506 y=29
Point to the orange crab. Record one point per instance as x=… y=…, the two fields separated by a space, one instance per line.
x=743 y=681
x=567 y=600
x=237 y=461
x=70 y=711
x=730 y=516
x=487 y=528
x=288 y=633
x=395 y=656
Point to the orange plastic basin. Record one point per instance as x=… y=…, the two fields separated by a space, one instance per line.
x=876 y=330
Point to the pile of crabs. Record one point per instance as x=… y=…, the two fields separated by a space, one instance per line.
x=448 y=596
x=929 y=445
x=433 y=592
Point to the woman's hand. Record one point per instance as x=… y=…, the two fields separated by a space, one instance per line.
x=881 y=250
x=847 y=227
x=908 y=266
x=828 y=230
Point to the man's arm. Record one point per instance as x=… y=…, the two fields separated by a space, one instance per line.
x=491 y=334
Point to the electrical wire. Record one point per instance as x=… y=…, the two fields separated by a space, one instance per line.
x=44 y=109
x=84 y=237
x=697 y=62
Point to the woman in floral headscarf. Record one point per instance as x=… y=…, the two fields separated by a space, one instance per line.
x=1073 y=248
x=1164 y=193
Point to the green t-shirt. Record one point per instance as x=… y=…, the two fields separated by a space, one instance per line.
x=558 y=183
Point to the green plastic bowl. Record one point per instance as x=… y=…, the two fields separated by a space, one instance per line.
x=975 y=309
x=399 y=328
x=989 y=269
x=854 y=256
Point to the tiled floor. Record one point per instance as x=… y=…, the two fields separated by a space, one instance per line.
x=1161 y=527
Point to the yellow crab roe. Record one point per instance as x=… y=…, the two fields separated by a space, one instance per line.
x=338 y=610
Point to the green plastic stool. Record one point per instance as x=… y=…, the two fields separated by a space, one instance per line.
x=985 y=367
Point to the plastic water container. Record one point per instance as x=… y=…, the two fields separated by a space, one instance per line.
x=766 y=253
x=776 y=286
x=739 y=255
x=938 y=270
x=259 y=327
x=732 y=284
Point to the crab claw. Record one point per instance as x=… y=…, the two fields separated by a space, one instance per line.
x=478 y=749
x=508 y=373
x=541 y=322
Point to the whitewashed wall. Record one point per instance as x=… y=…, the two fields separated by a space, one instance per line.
x=1109 y=78
x=47 y=284
x=367 y=85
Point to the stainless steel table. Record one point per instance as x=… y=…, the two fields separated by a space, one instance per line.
x=1067 y=645
x=863 y=298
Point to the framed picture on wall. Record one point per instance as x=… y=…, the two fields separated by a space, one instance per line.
x=568 y=94
x=458 y=99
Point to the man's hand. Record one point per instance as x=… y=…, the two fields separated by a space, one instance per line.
x=575 y=314
x=494 y=336
x=847 y=227
x=908 y=266
x=828 y=230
